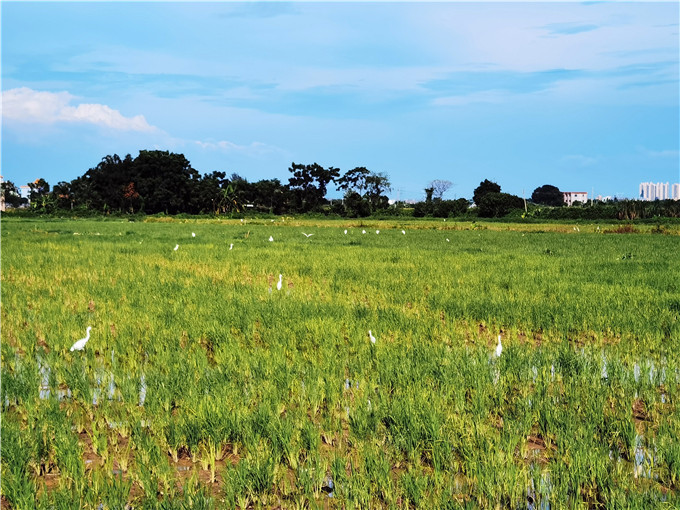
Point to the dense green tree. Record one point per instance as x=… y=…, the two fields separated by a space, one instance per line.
x=63 y=197
x=355 y=206
x=547 y=195
x=165 y=181
x=38 y=189
x=269 y=195
x=11 y=194
x=364 y=191
x=354 y=180
x=486 y=186
x=103 y=187
x=497 y=205
x=39 y=195
x=377 y=185
x=450 y=208
x=309 y=184
x=208 y=193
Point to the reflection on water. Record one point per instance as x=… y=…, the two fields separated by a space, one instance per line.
x=142 y=390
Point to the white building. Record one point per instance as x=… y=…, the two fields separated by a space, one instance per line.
x=25 y=192
x=659 y=191
x=575 y=196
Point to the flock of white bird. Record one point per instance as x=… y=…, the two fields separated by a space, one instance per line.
x=80 y=344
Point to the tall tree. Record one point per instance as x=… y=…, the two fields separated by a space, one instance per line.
x=486 y=186
x=166 y=181
x=354 y=180
x=11 y=194
x=547 y=195
x=39 y=195
x=309 y=184
x=208 y=193
x=268 y=194
x=63 y=196
x=103 y=187
x=440 y=187
x=377 y=185
x=364 y=191
x=496 y=205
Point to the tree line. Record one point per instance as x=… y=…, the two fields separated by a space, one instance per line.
x=164 y=182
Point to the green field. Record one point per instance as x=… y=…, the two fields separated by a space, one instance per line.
x=203 y=386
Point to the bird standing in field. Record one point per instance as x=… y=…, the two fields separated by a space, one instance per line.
x=193 y=234
x=271 y=238
x=278 y=285
x=231 y=246
x=403 y=232
x=499 y=347
x=370 y=335
x=176 y=247
x=80 y=344
x=345 y=231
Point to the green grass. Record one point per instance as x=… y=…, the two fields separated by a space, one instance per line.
x=260 y=398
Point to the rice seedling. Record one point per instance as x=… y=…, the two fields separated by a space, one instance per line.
x=199 y=387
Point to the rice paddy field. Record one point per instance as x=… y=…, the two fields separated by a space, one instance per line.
x=204 y=385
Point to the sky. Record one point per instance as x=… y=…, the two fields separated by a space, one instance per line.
x=582 y=96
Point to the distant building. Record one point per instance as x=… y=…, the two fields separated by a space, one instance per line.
x=575 y=196
x=25 y=192
x=659 y=191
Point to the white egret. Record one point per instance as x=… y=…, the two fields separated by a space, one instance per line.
x=307 y=235
x=345 y=231
x=499 y=347
x=447 y=240
x=363 y=231
x=271 y=238
x=371 y=337
x=193 y=234
x=231 y=246
x=80 y=344
x=377 y=231
x=176 y=247
x=403 y=232
x=278 y=285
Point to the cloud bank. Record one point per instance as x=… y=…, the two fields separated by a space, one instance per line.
x=31 y=106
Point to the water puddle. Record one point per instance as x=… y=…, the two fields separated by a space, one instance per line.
x=644 y=459
x=142 y=390
x=44 y=389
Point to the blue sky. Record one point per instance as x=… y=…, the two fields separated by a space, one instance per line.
x=579 y=95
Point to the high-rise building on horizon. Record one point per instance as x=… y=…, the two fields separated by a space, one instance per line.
x=659 y=191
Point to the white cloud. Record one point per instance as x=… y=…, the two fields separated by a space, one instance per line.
x=579 y=160
x=486 y=96
x=226 y=146
x=667 y=153
x=31 y=106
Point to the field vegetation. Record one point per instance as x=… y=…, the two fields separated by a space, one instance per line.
x=205 y=386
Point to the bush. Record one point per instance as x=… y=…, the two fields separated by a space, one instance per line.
x=496 y=205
